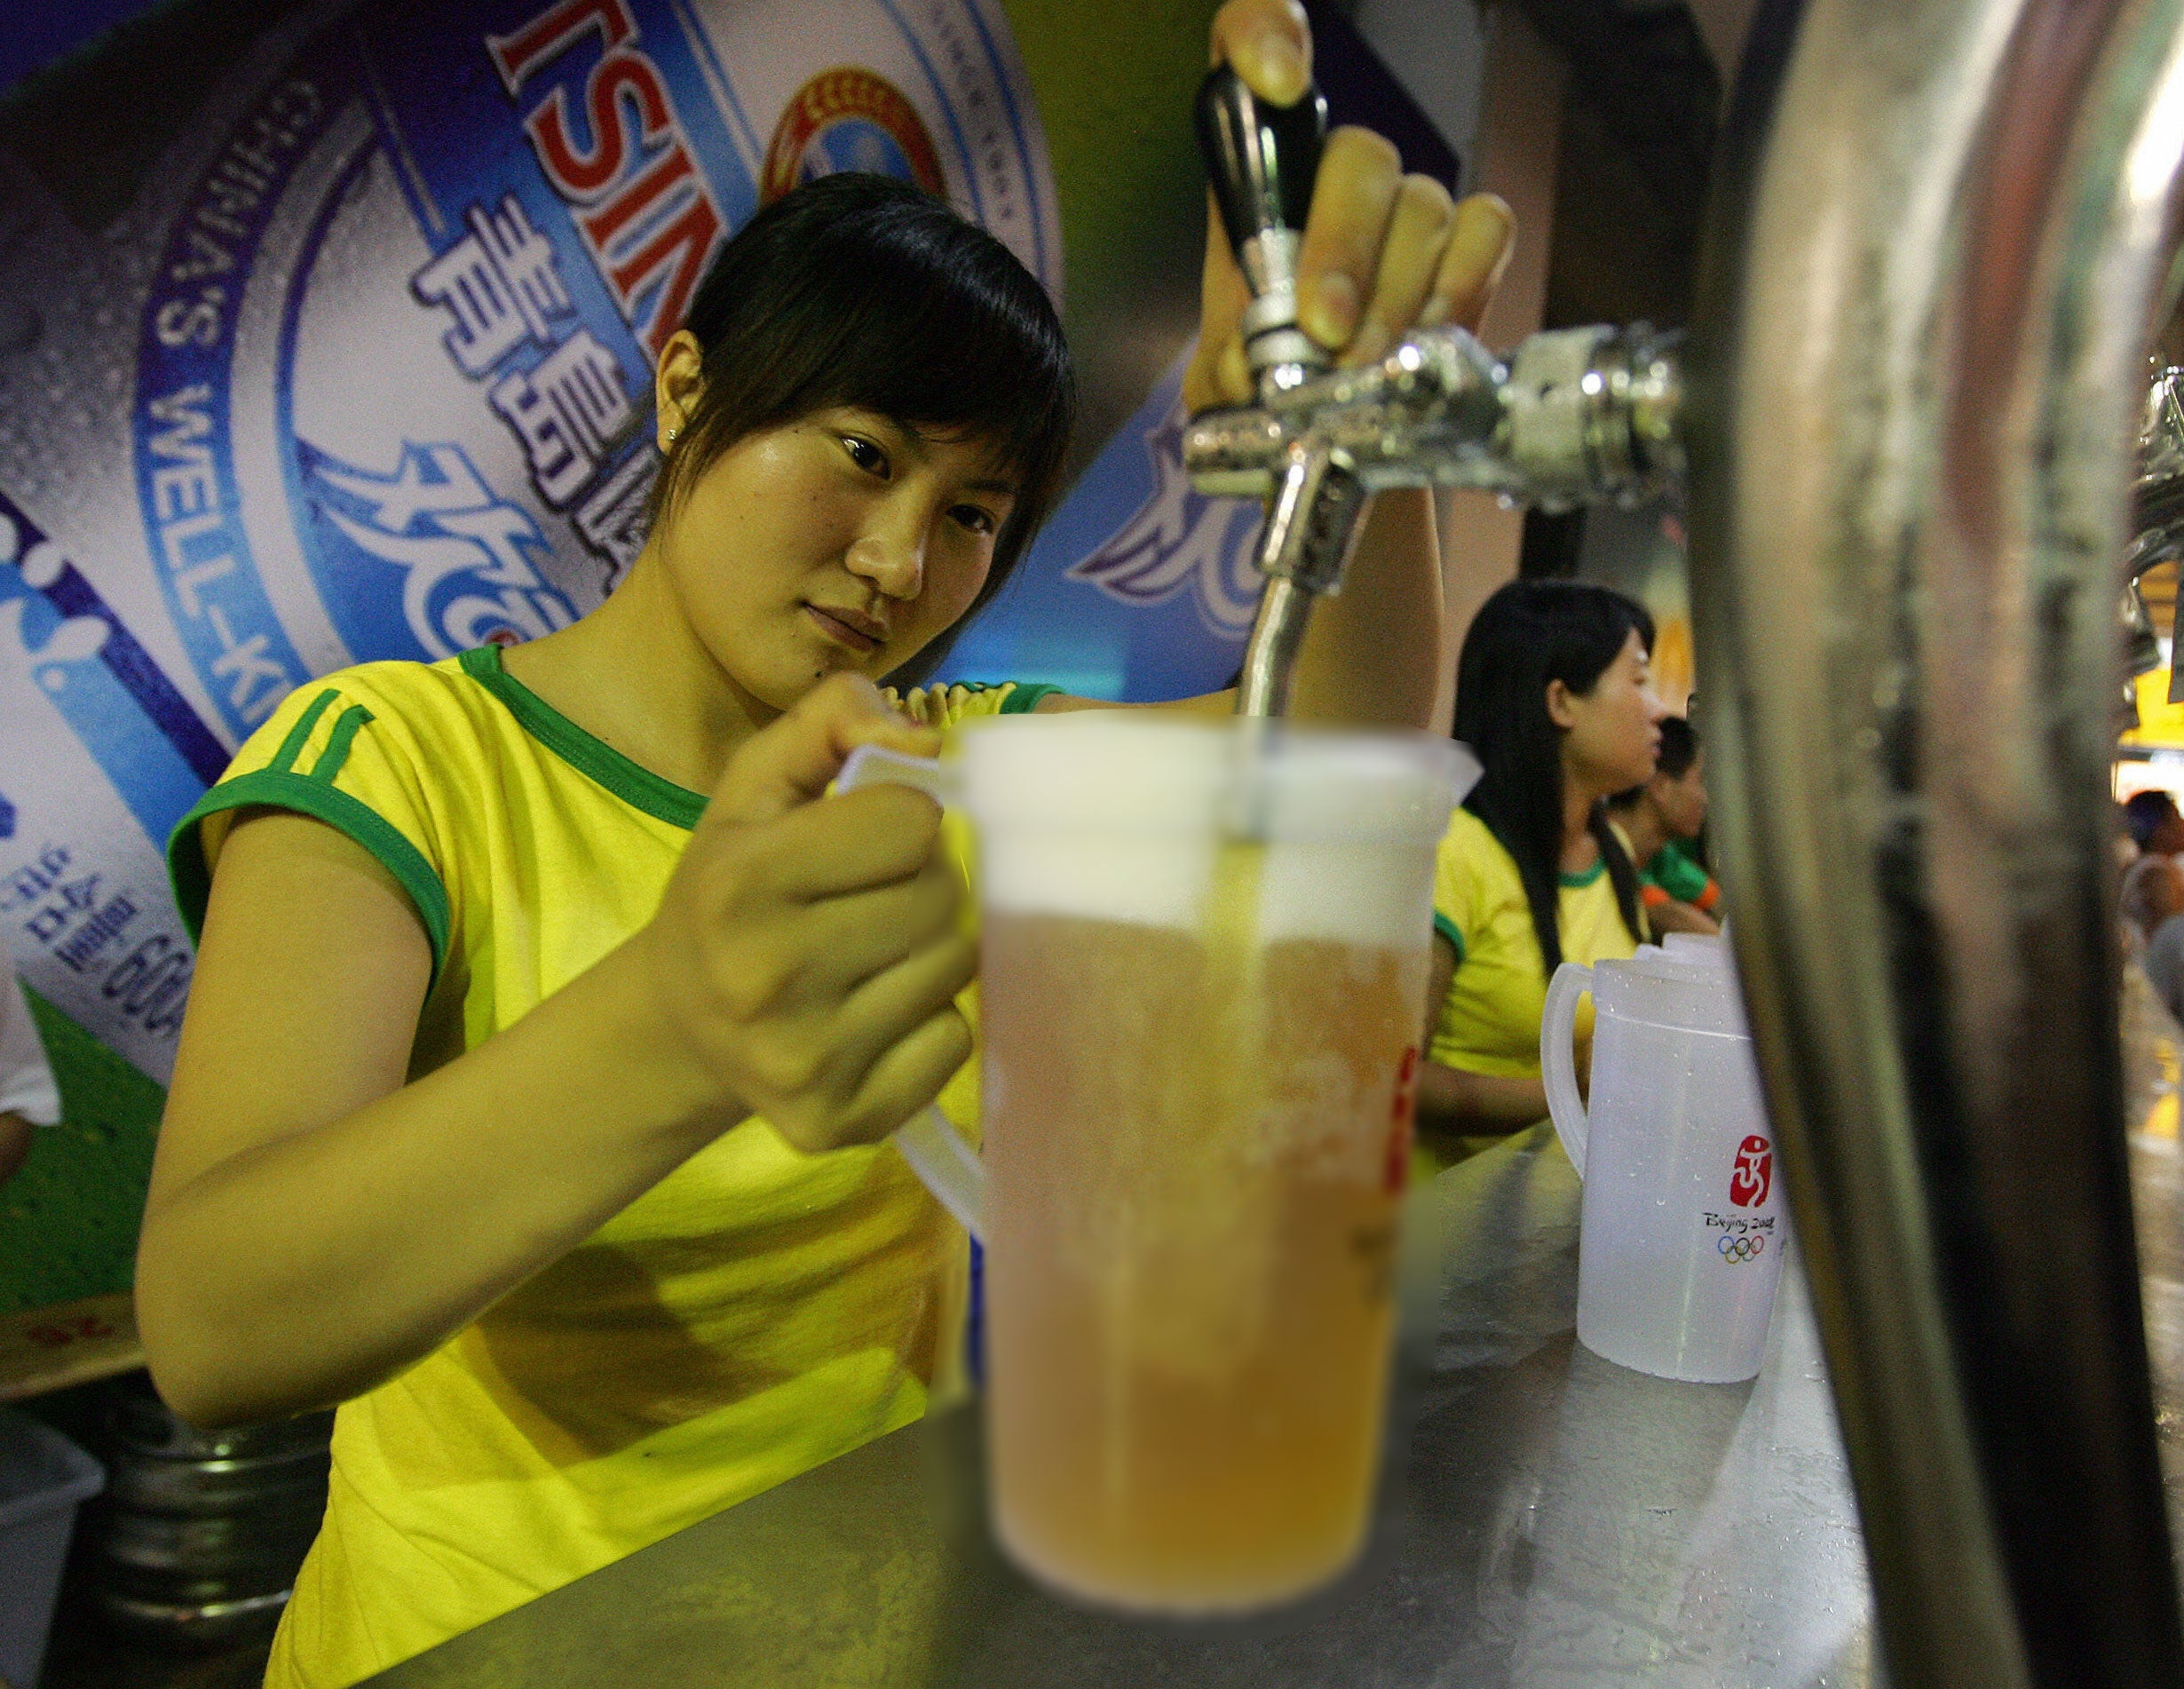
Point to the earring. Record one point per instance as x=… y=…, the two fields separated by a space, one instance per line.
x=671 y=434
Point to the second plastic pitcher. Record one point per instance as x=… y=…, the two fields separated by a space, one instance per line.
x=1681 y=1223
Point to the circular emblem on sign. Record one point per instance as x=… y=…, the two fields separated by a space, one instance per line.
x=848 y=119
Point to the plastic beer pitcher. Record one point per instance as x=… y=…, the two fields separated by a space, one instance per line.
x=1203 y=959
x=1681 y=1224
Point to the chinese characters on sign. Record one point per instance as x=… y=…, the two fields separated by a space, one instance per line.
x=465 y=556
x=65 y=907
x=502 y=288
x=565 y=412
x=500 y=283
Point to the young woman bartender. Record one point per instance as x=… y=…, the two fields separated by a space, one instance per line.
x=1553 y=695
x=547 y=1018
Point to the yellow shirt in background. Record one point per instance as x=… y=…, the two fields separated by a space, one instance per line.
x=1489 y=1022
x=757 y=1313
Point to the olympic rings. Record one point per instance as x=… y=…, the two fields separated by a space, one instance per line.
x=1736 y=1250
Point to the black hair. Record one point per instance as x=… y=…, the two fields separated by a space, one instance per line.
x=1679 y=747
x=1679 y=750
x=2144 y=811
x=860 y=290
x=1527 y=635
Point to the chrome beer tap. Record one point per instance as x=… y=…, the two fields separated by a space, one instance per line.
x=1574 y=417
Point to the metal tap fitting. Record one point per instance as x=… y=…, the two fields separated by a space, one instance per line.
x=1575 y=417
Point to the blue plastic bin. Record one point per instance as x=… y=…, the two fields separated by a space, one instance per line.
x=43 y=1479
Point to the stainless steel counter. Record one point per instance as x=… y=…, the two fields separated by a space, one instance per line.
x=1549 y=1519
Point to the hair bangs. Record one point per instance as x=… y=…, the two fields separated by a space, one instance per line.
x=863 y=290
x=942 y=357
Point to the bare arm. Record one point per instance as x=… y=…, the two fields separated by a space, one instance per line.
x=1451 y=1100
x=315 y=1224
x=1455 y=1102
x=1372 y=655
x=1680 y=917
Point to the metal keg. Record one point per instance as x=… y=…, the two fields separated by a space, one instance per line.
x=198 y=1538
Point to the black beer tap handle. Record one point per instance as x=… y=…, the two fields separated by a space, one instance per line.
x=1262 y=160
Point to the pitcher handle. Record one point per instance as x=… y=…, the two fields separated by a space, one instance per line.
x=947 y=1167
x=877 y=765
x=1558 y=1060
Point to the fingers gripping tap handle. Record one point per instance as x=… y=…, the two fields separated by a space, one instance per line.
x=1262 y=160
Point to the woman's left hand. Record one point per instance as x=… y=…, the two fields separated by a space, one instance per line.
x=1383 y=252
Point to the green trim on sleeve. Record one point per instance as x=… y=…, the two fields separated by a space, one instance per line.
x=337 y=751
x=1023 y=698
x=292 y=746
x=635 y=784
x=1446 y=928
x=284 y=788
x=1677 y=874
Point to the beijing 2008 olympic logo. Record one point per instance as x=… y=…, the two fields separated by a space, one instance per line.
x=1737 y=1250
x=1753 y=1174
x=849 y=119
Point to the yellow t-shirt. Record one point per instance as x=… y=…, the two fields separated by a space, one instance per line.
x=757 y=1313
x=1489 y=1022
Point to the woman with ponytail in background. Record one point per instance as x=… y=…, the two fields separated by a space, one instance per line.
x=1553 y=695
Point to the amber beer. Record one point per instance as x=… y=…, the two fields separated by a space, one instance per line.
x=1205 y=962
x=1195 y=1160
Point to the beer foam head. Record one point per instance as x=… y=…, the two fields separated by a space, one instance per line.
x=1124 y=815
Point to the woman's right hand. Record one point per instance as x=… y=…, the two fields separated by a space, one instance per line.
x=321 y=1216
x=808 y=949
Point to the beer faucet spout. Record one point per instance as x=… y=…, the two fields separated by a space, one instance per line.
x=1310 y=523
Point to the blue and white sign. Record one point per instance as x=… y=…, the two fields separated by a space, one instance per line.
x=114 y=757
